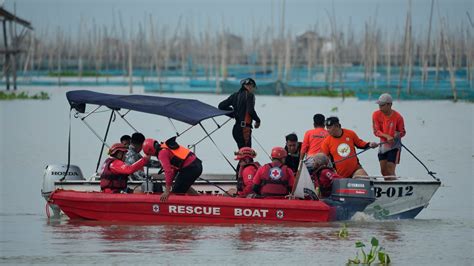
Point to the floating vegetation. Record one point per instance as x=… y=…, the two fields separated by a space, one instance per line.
x=324 y=93
x=69 y=73
x=380 y=213
x=343 y=232
x=23 y=96
x=334 y=109
x=364 y=258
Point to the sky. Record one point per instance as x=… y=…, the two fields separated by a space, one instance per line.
x=242 y=17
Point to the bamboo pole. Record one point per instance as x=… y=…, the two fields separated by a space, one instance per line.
x=448 y=54
x=130 y=61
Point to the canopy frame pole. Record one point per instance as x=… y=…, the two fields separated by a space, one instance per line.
x=105 y=139
x=177 y=133
x=126 y=121
x=205 y=137
x=93 y=111
x=203 y=128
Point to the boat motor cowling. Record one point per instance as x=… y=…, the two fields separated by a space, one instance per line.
x=55 y=172
x=350 y=196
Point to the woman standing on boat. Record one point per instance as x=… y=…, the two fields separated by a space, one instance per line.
x=114 y=174
x=179 y=164
x=243 y=105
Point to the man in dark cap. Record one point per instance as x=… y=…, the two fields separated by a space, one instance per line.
x=242 y=103
x=340 y=146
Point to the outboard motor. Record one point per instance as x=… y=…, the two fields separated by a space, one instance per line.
x=350 y=196
x=54 y=172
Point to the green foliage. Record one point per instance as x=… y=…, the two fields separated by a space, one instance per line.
x=69 y=73
x=23 y=96
x=343 y=233
x=321 y=92
x=380 y=213
x=368 y=258
x=334 y=109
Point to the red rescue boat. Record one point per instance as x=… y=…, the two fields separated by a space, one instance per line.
x=188 y=209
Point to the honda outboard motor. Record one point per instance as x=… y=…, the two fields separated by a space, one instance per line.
x=54 y=172
x=350 y=196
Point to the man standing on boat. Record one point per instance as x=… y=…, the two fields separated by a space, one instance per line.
x=180 y=165
x=243 y=105
x=314 y=137
x=133 y=155
x=340 y=147
x=389 y=126
x=114 y=173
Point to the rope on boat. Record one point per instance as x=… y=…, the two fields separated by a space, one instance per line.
x=68 y=148
x=431 y=173
x=217 y=147
x=210 y=183
x=261 y=147
x=48 y=214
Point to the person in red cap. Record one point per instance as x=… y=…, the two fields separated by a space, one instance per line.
x=274 y=179
x=242 y=103
x=389 y=126
x=180 y=165
x=247 y=170
x=114 y=173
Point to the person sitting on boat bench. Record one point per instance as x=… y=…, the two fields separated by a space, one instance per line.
x=114 y=173
x=340 y=145
x=133 y=155
x=247 y=170
x=179 y=164
x=322 y=173
x=125 y=140
x=274 y=179
x=293 y=148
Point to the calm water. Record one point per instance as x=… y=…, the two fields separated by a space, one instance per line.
x=34 y=133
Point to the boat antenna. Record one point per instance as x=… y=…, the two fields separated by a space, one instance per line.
x=431 y=173
x=68 y=148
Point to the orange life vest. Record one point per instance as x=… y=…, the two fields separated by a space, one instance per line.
x=179 y=155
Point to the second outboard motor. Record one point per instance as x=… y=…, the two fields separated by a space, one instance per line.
x=350 y=196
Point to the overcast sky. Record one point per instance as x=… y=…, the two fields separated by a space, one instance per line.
x=239 y=16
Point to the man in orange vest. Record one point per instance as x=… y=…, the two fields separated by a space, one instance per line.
x=340 y=147
x=179 y=164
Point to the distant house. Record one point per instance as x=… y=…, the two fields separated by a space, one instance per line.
x=234 y=47
x=311 y=44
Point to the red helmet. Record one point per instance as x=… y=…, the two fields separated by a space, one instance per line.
x=117 y=147
x=149 y=147
x=279 y=153
x=245 y=152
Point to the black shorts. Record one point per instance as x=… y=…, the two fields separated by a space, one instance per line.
x=187 y=176
x=392 y=156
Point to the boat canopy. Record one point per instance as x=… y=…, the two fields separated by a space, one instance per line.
x=185 y=110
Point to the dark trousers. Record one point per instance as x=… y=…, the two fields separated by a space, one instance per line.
x=187 y=176
x=242 y=136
